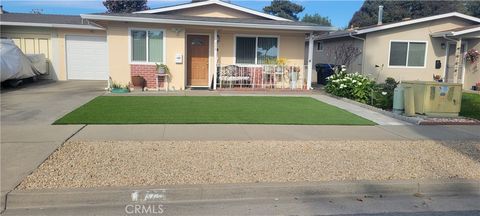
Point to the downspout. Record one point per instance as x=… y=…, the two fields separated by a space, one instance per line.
x=363 y=49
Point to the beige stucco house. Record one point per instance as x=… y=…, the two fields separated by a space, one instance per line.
x=212 y=44
x=413 y=49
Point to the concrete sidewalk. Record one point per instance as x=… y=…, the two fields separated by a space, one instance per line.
x=275 y=132
x=376 y=117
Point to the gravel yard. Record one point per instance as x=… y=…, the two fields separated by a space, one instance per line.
x=96 y=164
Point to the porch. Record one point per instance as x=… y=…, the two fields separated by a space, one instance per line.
x=254 y=77
x=243 y=59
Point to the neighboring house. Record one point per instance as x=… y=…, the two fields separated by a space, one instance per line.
x=413 y=49
x=62 y=39
x=191 y=39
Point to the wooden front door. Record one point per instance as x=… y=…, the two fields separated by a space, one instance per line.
x=197 y=60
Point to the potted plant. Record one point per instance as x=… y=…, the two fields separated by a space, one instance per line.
x=139 y=81
x=437 y=78
x=281 y=63
x=472 y=56
x=162 y=68
x=476 y=87
x=119 y=88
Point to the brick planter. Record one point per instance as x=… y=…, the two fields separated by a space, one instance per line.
x=148 y=72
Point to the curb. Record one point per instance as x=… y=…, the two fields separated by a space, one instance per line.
x=198 y=193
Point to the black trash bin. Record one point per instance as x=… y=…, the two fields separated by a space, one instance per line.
x=323 y=71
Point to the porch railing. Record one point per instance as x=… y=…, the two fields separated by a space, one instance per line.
x=262 y=77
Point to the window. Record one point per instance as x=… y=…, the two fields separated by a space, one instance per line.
x=256 y=50
x=320 y=46
x=407 y=54
x=147 y=46
x=245 y=50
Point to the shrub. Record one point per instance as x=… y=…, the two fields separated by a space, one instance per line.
x=350 y=85
x=383 y=96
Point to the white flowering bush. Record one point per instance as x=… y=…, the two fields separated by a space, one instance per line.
x=350 y=85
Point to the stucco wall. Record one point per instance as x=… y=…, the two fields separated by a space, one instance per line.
x=213 y=11
x=118 y=48
x=327 y=56
x=377 y=49
x=291 y=47
x=472 y=71
x=291 y=44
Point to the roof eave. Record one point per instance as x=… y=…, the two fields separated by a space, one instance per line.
x=207 y=23
x=454 y=33
x=419 y=20
x=442 y=34
x=51 y=25
x=203 y=3
x=336 y=36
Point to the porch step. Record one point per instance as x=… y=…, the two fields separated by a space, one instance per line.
x=199 y=88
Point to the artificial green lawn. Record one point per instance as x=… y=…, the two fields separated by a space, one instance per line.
x=470 y=105
x=209 y=110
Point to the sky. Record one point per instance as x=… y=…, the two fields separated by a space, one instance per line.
x=339 y=11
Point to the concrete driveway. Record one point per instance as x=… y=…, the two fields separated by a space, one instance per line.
x=27 y=136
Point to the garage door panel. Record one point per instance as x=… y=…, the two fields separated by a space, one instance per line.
x=87 y=57
x=29 y=45
x=43 y=47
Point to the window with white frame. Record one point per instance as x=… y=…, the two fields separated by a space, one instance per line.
x=407 y=53
x=147 y=46
x=255 y=50
x=320 y=46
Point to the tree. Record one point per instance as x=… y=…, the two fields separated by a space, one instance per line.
x=343 y=53
x=36 y=11
x=316 y=18
x=284 y=8
x=125 y=6
x=395 y=11
x=473 y=8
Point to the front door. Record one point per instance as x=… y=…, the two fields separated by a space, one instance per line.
x=450 y=67
x=197 y=60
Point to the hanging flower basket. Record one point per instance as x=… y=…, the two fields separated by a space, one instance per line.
x=472 y=56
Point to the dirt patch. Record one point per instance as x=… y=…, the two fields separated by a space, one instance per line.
x=96 y=164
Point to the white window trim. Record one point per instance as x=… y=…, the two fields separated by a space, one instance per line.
x=320 y=50
x=408 y=49
x=146 y=62
x=256 y=46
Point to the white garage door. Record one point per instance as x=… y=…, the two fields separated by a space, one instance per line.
x=87 y=58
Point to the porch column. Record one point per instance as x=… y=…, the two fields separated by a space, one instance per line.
x=458 y=54
x=310 y=61
x=215 y=58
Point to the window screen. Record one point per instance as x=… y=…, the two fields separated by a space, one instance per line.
x=398 y=53
x=416 y=54
x=155 y=46
x=245 y=50
x=139 y=45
